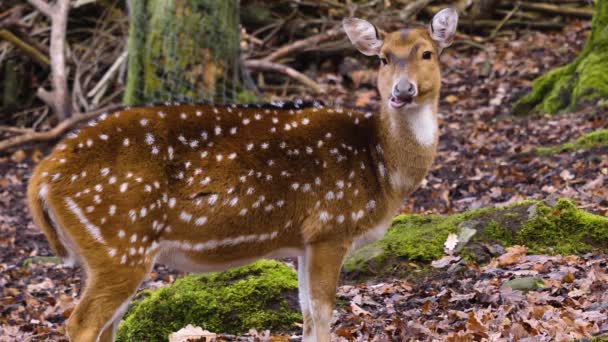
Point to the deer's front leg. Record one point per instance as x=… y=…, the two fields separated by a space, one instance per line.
x=308 y=327
x=322 y=262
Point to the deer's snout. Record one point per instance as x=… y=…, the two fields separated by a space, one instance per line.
x=403 y=93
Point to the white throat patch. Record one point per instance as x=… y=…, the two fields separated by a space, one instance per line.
x=423 y=125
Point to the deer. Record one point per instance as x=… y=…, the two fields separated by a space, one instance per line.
x=203 y=188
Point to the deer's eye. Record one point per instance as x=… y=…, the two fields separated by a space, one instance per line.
x=383 y=61
x=427 y=55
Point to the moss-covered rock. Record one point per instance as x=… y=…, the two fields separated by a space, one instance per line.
x=597 y=138
x=558 y=229
x=262 y=295
x=582 y=80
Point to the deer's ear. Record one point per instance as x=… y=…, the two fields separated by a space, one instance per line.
x=364 y=35
x=443 y=27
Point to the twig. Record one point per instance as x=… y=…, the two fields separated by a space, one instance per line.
x=504 y=20
x=11 y=129
x=29 y=50
x=40 y=119
x=56 y=131
x=263 y=64
x=303 y=44
x=108 y=75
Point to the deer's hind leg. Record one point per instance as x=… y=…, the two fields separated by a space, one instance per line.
x=105 y=297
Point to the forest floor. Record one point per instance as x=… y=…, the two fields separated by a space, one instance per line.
x=486 y=157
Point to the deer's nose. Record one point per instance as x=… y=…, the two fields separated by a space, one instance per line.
x=404 y=89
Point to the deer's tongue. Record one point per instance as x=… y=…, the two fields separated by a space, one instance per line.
x=398 y=102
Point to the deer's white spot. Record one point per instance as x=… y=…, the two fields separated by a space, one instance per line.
x=234 y=201
x=200 y=221
x=185 y=216
x=324 y=216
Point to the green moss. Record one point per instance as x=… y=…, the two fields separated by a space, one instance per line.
x=495 y=232
x=581 y=81
x=416 y=238
x=597 y=138
x=262 y=295
x=562 y=229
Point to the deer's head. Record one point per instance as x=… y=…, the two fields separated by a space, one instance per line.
x=409 y=58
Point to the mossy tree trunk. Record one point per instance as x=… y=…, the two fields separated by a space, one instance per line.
x=182 y=50
x=583 y=80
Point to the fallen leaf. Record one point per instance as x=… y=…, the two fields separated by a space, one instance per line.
x=192 y=332
x=514 y=253
x=450 y=243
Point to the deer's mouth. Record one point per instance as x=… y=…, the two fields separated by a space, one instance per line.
x=399 y=102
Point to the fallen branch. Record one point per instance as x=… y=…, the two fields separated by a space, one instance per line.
x=303 y=44
x=266 y=65
x=556 y=9
x=413 y=8
x=466 y=23
x=56 y=131
x=29 y=50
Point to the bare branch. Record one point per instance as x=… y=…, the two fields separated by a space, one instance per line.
x=59 y=22
x=271 y=66
x=59 y=97
x=42 y=6
x=12 y=129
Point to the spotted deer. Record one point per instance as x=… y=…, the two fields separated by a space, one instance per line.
x=203 y=188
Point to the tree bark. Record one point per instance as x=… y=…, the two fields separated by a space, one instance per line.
x=182 y=50
x=584 y=80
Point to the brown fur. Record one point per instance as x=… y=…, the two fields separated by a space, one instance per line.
x=202 y=187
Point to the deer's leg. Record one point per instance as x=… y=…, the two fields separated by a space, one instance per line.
x=307 y=329
x=323 y=262
x=110 y=330
x=104 y=300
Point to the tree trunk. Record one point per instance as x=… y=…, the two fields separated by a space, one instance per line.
x=182 y=50
x=581 y=81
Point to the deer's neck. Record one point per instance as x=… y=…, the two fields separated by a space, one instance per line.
x=408 y=141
